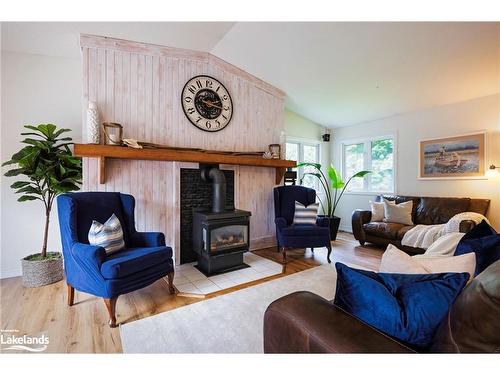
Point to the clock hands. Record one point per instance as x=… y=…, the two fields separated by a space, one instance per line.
x=211 y=104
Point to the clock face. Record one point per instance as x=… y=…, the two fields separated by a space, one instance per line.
x=207 y=103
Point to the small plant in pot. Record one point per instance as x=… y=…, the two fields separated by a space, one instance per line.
x=48 y=169
x=334 y=187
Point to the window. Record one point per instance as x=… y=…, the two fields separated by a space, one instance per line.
x=304 y=151
x=376 y=155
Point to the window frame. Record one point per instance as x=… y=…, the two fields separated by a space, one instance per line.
x=367 y=162
x=307 y=142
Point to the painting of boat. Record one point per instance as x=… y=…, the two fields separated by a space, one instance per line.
x=449 y=163
x=453 y=157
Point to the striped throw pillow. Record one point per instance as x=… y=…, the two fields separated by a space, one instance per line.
x=108 y=235
x=305 y=215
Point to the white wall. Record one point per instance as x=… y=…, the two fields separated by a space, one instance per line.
x=454 y=119
x=35 y=89
x=300 y=127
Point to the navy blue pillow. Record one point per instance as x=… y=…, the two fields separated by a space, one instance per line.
x=484 y=242
x=407 y=307
x=483 y=229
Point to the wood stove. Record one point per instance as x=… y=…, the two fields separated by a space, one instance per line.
x=220 y=236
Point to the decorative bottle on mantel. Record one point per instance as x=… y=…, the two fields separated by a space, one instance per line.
x=93 y=135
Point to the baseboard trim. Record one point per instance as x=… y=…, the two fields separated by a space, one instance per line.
x=10 y=272
x=345 y=228
x=262 y=242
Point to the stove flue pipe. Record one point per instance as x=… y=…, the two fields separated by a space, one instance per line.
x=214 y=175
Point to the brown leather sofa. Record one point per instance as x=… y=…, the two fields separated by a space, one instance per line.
x=303 y=322
x=426 y=210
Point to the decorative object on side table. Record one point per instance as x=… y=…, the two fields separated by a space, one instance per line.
x=113 y=133
x=453 y=157
x=275 y=150
x=93 y=132
x=333 y=182
x=50 y=169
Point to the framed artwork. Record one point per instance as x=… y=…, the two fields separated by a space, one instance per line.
x=459 y=157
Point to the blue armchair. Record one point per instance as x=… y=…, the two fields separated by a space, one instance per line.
x=144 y=260
x=298 y=236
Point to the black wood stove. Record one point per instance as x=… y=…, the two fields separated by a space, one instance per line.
x=220 y=236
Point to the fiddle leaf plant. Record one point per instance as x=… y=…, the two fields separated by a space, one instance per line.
x=47 y=168
x=332 y=184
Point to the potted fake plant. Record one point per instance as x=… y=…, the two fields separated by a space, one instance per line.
x=48 y=168
x=334 y=187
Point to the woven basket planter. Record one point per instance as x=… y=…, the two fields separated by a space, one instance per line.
x=41 y=272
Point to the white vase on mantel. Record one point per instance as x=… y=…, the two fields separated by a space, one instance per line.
x=93 y=134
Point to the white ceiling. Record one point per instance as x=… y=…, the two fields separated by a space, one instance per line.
x=62 y=38
x=336 y=74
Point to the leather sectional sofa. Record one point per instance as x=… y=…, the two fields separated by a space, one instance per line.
x=303 y=322
x=426 y=210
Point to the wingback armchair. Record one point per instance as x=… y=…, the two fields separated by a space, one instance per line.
x=144 y=259
x=289 y=235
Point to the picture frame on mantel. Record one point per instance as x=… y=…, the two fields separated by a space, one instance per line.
x=453 y=158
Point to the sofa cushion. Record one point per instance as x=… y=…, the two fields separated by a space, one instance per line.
x=407 y=307
x=433 y=210
x=305 y=230
x=485 y=246
x=400 y=199
x=403 y=231
x=381 y=229
x=472 y=323
x=397 y=261
x=398 y=213
x=130 y=261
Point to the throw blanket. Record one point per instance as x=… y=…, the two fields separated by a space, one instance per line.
x=424 y=236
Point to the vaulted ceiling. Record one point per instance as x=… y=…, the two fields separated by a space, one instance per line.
x=336 y=74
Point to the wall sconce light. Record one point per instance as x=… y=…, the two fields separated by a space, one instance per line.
x=492 y=171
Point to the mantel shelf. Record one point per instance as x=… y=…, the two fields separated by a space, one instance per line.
x=103 y=152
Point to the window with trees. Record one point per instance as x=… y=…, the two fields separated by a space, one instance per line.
x=374 y=154
x=304 y=151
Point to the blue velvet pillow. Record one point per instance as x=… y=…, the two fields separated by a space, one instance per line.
x=484 y=242
x=407 y=307
x=483 y=229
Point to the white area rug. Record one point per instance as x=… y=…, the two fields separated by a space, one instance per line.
x=188 y=279
x=232 y=323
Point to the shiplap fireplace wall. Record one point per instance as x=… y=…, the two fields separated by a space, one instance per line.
x=139 y=86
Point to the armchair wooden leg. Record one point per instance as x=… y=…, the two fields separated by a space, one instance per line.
x=329 y=247
x=71 y=295
x=312 y=249
x=283 y=251
x=170 y=278
x=111 y=306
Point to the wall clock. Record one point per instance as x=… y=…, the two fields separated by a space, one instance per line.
x=207 y=103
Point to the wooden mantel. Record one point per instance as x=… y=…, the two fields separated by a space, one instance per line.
x=103 y=152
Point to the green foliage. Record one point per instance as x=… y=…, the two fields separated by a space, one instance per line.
x=381 y=149
x=331 y=185
x=47 y=166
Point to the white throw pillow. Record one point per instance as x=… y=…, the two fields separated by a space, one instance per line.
x=305 y=215
x=377 y=209
x=397 y=261
x=108 y=235
x=398 y=213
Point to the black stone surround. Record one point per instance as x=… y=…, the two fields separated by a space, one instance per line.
x=196 y=193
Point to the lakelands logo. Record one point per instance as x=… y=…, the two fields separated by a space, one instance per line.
x=10 y=341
